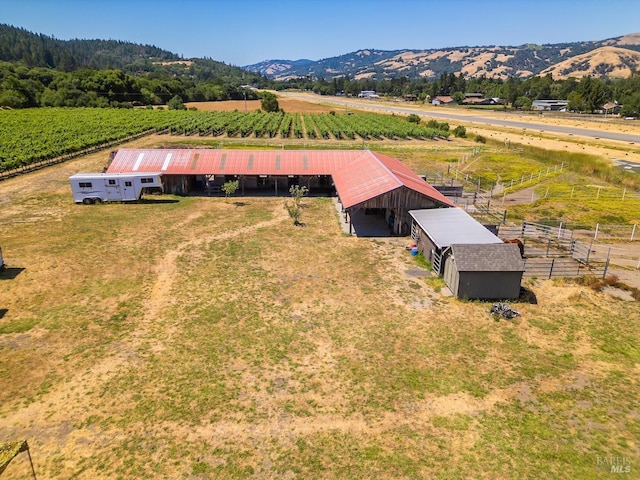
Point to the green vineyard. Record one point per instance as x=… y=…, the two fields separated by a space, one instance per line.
x=38 y=135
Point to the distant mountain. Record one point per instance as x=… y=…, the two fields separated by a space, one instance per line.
x=275 y=67
x=612 y=62
x=614 y=57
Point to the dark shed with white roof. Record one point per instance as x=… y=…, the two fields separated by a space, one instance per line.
x=474 y=262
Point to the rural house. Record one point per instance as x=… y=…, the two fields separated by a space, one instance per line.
x=550 y=105
x=443 y=100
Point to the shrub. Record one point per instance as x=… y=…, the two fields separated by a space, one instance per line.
x=460 y=132
x=480 y=139
x=413 y=118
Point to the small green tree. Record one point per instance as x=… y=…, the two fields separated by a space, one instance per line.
x=269 y=102
x=460 y=132
x=176 y=103
x=523 y=103
x=230 y=187
x=413 y=118
x=297 y=192
x=458 y=97
x=295 y=209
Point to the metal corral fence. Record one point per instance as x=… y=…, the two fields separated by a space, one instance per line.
x=557 y=251
x=68 y=156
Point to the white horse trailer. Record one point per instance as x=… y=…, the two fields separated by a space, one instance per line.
x=90 y=188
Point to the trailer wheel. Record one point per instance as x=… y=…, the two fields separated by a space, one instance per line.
x=97 y=200
x=87 y=201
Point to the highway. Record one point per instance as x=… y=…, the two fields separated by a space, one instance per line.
x=471 y=118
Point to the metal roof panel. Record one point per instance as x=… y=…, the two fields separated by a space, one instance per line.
x=448 y=226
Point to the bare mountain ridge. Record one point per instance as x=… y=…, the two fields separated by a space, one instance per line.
x=614 y=57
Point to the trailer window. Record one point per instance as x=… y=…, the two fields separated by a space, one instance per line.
x=112 y=182
x=127 y=184
x=146 y=180
x=85 y=184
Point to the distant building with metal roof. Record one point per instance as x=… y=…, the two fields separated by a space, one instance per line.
x=362 y=179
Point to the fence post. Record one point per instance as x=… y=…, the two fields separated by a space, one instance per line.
x=553 y=260
x=633 y=231
x=560 y=231
x=595 y=237
x=606 y=267
x=624 y=192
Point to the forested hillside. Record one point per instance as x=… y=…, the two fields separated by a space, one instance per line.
x=31 y=50
x=37 y=70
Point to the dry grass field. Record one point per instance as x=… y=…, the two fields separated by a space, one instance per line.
x=290 y=105
x=198 y=337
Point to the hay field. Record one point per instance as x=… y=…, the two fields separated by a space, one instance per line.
x=193 y=337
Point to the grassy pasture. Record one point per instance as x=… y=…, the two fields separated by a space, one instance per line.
x=190 y=337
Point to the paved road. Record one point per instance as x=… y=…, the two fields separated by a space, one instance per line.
x=627 y=165
x=584 y=132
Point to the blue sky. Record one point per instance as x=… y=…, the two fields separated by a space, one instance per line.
x=245 y=32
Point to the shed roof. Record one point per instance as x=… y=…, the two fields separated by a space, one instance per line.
x=498 y=257
x=448 y=226
x=359 y=175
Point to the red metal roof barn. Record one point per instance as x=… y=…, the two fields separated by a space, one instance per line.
x=362 y=179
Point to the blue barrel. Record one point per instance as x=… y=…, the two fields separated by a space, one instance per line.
x=414 y=251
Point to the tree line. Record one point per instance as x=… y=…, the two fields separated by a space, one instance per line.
x=38 y=70
x=23 y=87
x=587 y=94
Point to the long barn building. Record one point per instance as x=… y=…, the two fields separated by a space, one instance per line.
x=362 y=179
